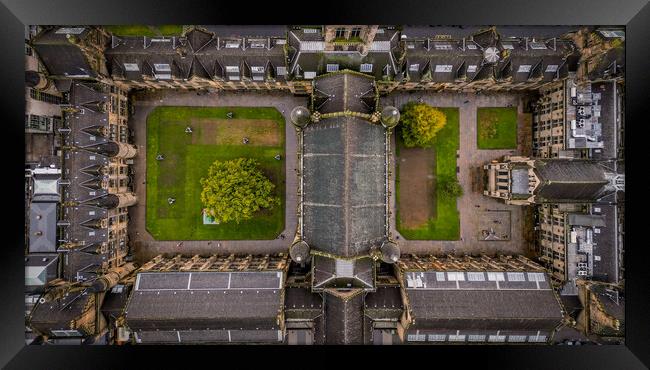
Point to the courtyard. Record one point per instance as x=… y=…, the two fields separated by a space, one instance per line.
x=424 y=213
x=186 y=156
x=474 y=211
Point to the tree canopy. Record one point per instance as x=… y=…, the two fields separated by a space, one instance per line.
x=420 y=123
x=450 y=187
x=234 y=190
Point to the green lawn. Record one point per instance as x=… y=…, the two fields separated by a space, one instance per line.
x=142 y=30
x=186 y=162
x=446 y=224
x=497 y=128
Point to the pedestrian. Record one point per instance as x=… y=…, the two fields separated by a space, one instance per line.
x=218 y=245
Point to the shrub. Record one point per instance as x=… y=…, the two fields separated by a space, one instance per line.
x=450 y=187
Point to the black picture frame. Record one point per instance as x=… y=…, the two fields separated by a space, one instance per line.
x=634 y=14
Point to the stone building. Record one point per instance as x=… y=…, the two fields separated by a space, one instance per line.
x=224 y=57
x=579 y=242
x=96 y=180
x=477 y=300
x=524 y=181
x=75 y=52
x=483 y=59
x=316 y=50
x=218 y=299
x=575 y=119
x=42 y=110
x=603 y=315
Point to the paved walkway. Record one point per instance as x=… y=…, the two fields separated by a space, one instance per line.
x=470 y=162
x=145 y=246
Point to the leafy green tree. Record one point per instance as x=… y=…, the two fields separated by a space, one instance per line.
x=450 y=187
x=234 y=190
x=420 y=123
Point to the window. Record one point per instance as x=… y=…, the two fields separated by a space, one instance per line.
x=516 y=276
x=332 y=67
x=162 y=67
x=456 y=338
x=45 y=97
x=537 y=338
x=497 y=338
x=442 y=46
x=257 y=69
x=525 y=68
x=440 y=276
x=356 y=32
x=233 y=78
x=340 y=33
x=471 y=46
x=131 y=67
x=416 y=337
x=66 y=333
x=444 y=68
x=455 y=276
x=312 y=30
x=258 y=78
x=70 y=30
x=551 y=68
x=366 y=67
x=537 y=46
x=508 y=46
x=475 y=276
x=414 y=67
x=258 y=44
x=437 y=337
x=517 y=338
x=612 y=33
x=232 y=44
x=310 y=75
x=495 y=276
x=164 y=76
x=472 y=68
x=28 y=50
x=536 y=276
x=232 y=69
x=281 y=71
x=476 y=338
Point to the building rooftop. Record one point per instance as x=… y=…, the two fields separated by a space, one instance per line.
x=42 y=227
x=577 y=180
x=201 y=300
x=507 y=300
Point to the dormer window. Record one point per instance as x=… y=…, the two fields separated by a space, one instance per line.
x=444 y=68
x=524 y=68
x=332 y=67
x=366 y=67
x=414 y=67
x=232 y=44
x=258 y=44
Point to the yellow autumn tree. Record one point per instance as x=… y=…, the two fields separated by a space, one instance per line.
x=234 y=190
x=420 y=123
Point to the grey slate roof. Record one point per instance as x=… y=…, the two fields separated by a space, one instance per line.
x=337 y=273
x=344 y=185
x=201 y=54
x=384 y=304
x=58 y=314
x=605 y=245
x=42 y=227
x=40 y=269
x=344 y=320
x=306 y=54
x=518 y=301
x=339 y=92
x=60 y=56
x=579 y=180
x=201 y=300
x=302 y=304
